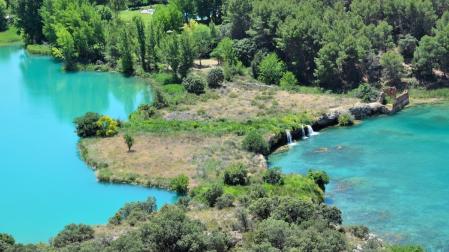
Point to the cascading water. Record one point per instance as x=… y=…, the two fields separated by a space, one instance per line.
x=310 y=131
x=303 y=133
x=289 y=137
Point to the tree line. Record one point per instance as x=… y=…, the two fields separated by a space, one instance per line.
x=335 y=44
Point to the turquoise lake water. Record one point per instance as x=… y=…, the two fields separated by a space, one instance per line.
x=44 y=185
x=389 y=173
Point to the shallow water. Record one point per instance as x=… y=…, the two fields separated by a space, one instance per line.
x=390 y=173
x=43 y=183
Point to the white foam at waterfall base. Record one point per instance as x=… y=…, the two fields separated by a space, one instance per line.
x=311 y=132
x=303 y=133
x=289 y=137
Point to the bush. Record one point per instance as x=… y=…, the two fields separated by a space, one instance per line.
x=288 y=81
x=146 y=111
x=3 y=20
x=262 y=208
x=39 y=49
x=345 y=119
x=293 y=210
x=358 y=231
x=225 y=200
x=320 y=177
x=236 y=175
x=407 y=46
x=194 y=84
x=129 y=141
x=258 y=57
x=255 y=142
x=245 y=50
x=215 y=77
x=6 y=240
x=367 y=93
x=86 y=126
x=212 y=194
x=73 y=234
x=134 y=212
x=273 y=176
x=180 y=184
x=231 y=70
x=271 y=69
x=107 y=127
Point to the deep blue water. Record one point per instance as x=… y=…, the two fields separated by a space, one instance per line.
x=43 y=183
x=390 y=173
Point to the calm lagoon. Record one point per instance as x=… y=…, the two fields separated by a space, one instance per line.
x=390 y=173
x=44 y=184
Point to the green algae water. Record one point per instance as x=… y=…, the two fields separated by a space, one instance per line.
x=44 y=185
x=390 y=173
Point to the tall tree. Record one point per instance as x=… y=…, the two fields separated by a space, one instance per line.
x=29 y=20
x=3 y=21
x=141 y=39
x=126 y=50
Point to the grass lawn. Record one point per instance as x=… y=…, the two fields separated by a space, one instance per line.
x=10 y=36
x=127 y=15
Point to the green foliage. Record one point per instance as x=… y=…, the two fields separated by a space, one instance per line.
x=212 y=194
x=126 y=52
x=288 y=81
x=405 y=248
x=261 y=208
x=134 y=212
x=273 y=176
x=86 y=126
x=245 y=49
x=258 y=57
x=236 y=175
x=76 y=28
x=345 y=119
x=28 y=20
x=39 y=49
x=393 y=68
x=320 y=177
x=129 y=141
x=215 y=78
x=6 y=240
x=141 y=39
x=271 y=69
x=225 y=52
x=194 y=84
x=367 y=93
x=255 y=142
x=178 y=51
x=107 y=127
x=180 y=184
x=73 y=234
x=407 y=46
x=3 y=21
x=224 y=201
x=360 y=232
x=202 y=38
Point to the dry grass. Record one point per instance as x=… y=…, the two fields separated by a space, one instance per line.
x=238 y=101
x=214 y=218
x=166 y=156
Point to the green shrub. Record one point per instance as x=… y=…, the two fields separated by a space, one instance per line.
x=261 y=208
x=39 y=49
x=255 y=142
x=407 y=45
x=146 y=111
x=367 y=93
x=107 y=127
x=73 y=234
x=293 y=210
x=236 y=175
x=231 y=70
x=86 y=126
x=180 y=184
x=405 y=248
x=212 y=194
x=194 y=84
x=7 y=240
x=258 y=57
x=271 y=69
x=224 y=201
x=129 y=141
x=359 y=231
x=345 y=119
x=134 y=212
x=320 y=177
x=273 y=176
x=288 y=81
x=215 y=78
x=3 y=20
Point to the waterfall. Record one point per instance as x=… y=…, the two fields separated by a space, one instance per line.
x=303 y=133
x=289 y=137
x=310 y=131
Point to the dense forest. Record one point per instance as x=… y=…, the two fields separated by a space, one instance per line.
x=336 y=45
